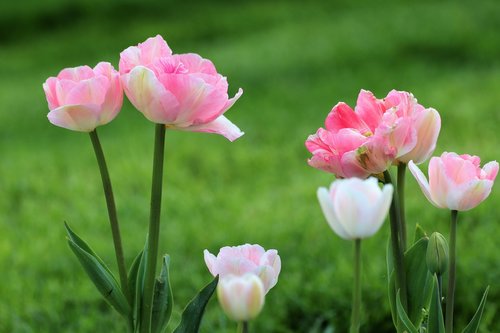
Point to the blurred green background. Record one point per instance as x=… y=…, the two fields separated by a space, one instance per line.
x=294 y=60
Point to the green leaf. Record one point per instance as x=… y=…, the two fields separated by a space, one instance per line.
x=403 y=317
x=193 y=313
x=163 y=299
x=133 y=276
x=419 y=233
x=139 y=285
x=99 y=273
x=435 y=323
x=475 y=321
x=418 y=281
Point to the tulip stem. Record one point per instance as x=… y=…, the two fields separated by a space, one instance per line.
x=242 y=327
x=113 y=218
x=401 y=197
x=451 y=275
x=154 y=229
x=356 y=290
x=397 y=251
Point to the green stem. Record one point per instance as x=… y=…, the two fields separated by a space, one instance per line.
x=356 y=290
x=397 y=251
x=440 y=287
x=401 y=197
x=113 y=218
x=154 y=228
x=242 y=327
x=452 y=274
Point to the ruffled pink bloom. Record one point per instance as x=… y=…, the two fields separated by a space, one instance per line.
x=182 y=91
x=239 y=260
x=83 y=98
x=377 y=133
x=456 y=182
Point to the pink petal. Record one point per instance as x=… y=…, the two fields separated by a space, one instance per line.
x=144 y=54
x=76 y=73
x=491 y=170
x=89 y=91
x=422 y=182
x=370 y=109
x=469 y=195
x=342 y=116
x=221 y=126
x=439 y=183
x=50 y=92
x=149 y=96
x=82 y=118
x=210 y=261
x=200 y=102
x=196 y=64
x=428 y=125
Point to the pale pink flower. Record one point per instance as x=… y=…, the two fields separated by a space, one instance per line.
x=456 y=182
x=182 y=91
x=377 y=133
x=355 y=208
x=241 y=297
x=83 y=98
x=239 y=260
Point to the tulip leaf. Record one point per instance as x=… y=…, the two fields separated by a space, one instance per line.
x=99 y=273
x=163 y=299
x=403 y=317
x=473 y=325
x=435 y=322
x=193 y=313
x=419 y=233
x=133 y=277
x=418 y=280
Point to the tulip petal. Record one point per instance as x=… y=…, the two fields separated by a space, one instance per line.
x=326 y=204
x=380 y=210
x=370 y=109
x=149 y=96
x=50 y=93
x=428 y=125
x=82 y=118
x=211 y=262
x=490 y=170
x=221 y=125
x=469 y=195
x=343 y=116
x=144 y=54
x=422 y=182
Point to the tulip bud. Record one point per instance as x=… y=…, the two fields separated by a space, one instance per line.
x=437 y=254
x=241 y=297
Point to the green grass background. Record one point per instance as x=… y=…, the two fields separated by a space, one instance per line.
x=294 y=60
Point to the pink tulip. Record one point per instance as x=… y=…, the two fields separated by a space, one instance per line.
x=456 y=182
x=82 y=98
x=355 y=208
x=182 y=91
x=239 y=260
x=377 y=133
x=241 y=297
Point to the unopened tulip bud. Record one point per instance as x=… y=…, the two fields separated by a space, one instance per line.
x=437 y=254
x=241 y=297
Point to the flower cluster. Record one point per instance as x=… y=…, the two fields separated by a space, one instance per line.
x=376 y=134
x=183 y=91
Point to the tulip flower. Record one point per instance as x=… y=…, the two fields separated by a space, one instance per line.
x=183 y=91
x=241 y=297
x=377 y=133
x=239 y=260
x=355 y=208
x=82 y=98
x=456 y=182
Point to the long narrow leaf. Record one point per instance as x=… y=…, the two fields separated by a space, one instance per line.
x=163 y=299
x=435 y=322
x=476 y=320
x=132 y=282
x=403 y=317
x=102 y=279
x=193 y=313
